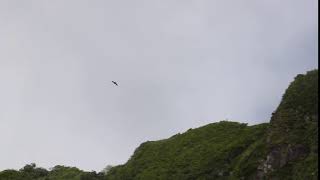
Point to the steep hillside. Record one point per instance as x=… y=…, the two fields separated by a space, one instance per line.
x=288 y=149
x=293 y=135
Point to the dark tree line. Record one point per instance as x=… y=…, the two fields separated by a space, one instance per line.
x=32 y=172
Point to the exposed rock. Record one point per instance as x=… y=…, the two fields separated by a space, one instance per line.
x=290 y=126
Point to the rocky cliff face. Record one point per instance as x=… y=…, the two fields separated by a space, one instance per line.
x=292 y=139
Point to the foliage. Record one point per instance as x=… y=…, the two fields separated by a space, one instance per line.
x=31 y=172
x=297 y=115
x=295 y=123
x=216 y=150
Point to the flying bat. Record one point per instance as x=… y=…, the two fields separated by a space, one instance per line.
x=115 y=83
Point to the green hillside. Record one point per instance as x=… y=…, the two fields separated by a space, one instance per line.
x=215 y=150
x=285 y=148
x=293 y=134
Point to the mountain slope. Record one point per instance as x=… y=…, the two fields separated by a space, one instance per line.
x=209 y=151
x=292 y=140
x=287 y=148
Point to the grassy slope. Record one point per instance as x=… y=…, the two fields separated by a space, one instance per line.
x=216 y=150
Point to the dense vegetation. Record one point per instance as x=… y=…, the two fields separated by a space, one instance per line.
x=285 y=148
x=31 y=172
x=293 y=134
x=215 y=150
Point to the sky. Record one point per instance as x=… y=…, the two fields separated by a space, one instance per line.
x=180 y=64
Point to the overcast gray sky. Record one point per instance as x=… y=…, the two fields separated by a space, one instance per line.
x=180 y=64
